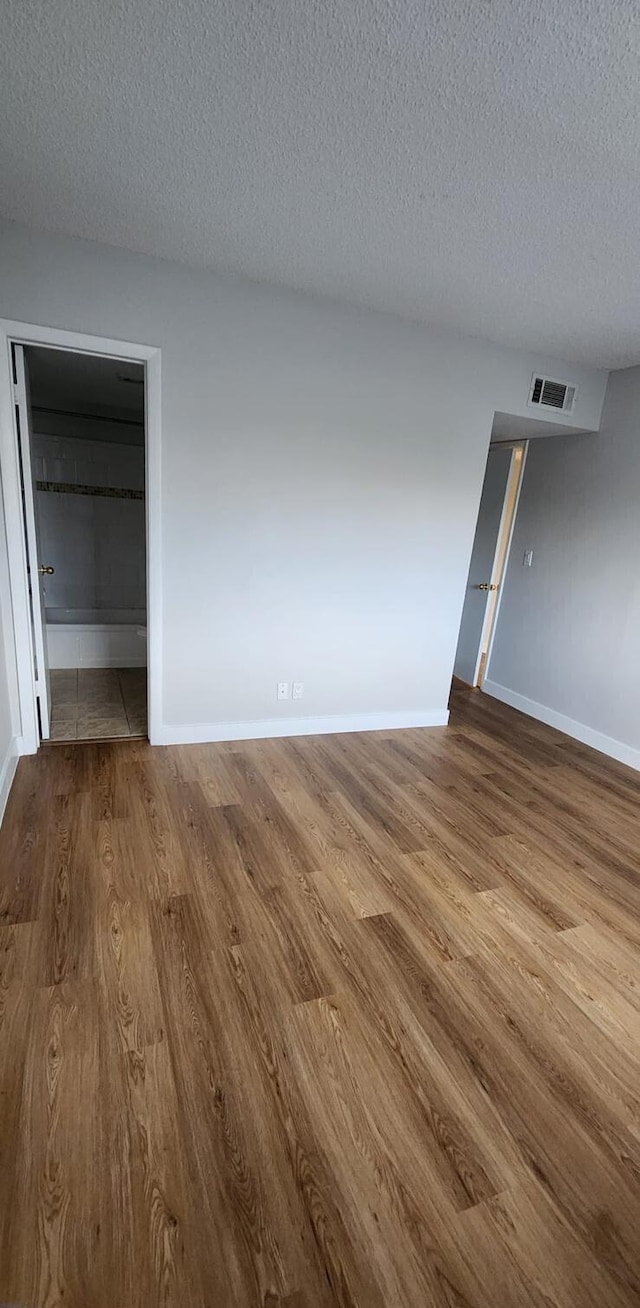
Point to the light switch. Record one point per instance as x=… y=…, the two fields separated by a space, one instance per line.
x=528 y=559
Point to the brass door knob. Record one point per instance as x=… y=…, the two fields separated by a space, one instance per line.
x=46 y=570
x=485 y=585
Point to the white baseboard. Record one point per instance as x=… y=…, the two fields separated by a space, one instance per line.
x=596 y=739
x=200 y=733
x=7 y=773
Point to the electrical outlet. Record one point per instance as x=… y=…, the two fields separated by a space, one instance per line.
x=297 y=690
x=283 y=690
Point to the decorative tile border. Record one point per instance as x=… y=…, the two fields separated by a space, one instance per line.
x=109 y=492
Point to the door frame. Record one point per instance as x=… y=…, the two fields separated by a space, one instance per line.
x=32 y=536
x=519 y=450
x=22 y=685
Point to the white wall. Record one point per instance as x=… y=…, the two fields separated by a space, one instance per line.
x=567 y=644
x=321 y=473
x=96 y=543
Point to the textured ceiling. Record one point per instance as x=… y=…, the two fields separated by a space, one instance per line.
x=470 y=163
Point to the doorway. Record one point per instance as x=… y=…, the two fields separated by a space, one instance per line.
x=494 y=529
x=74 y=466
x=80 y=421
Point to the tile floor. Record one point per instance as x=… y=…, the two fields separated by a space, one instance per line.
x=95 y=703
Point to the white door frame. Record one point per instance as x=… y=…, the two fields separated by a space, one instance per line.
x=23 y=707
x=22 y=400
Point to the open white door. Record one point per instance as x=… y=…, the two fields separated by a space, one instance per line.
x=482 y=562
x=500 y=490
x=37 y=570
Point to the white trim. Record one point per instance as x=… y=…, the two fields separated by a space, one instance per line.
x=6 y=622
x=579 y=730
x=26 y=711
x=153 y=500
x=8 y=772
x=55 y=338
x=200 y=733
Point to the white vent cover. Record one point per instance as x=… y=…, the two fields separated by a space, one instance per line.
x=548 y=393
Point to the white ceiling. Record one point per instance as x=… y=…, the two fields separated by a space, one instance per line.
x=470 y=163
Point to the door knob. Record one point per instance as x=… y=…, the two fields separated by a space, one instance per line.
x=46 y=570
x=485 y=585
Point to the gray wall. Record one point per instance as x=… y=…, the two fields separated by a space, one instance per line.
x=321 y=473
x=568 y=634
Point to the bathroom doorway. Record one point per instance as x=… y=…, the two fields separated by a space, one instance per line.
x=81 y=437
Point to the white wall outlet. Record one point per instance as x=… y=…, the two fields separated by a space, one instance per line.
x=527 y=559
x=283 y=690
x=297 y=690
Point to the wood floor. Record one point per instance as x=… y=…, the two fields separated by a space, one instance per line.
x=346 y=1020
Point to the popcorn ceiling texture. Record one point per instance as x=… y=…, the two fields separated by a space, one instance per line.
x=469 y=163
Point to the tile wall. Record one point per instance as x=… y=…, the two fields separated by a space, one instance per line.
x=96 y=544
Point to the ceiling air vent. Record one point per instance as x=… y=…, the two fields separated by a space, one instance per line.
x=547 y=393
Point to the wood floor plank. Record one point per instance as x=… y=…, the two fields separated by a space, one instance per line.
x=54 y=1250
x=526 y=1253
x=16 y=1006
x=336 y=1269
x=22 y=837
x=374 y=1186
x=347 y=1020
x=67 y=890
x=163 y=1263
x=125 y=968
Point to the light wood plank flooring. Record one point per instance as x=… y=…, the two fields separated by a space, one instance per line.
x=349 y=1020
